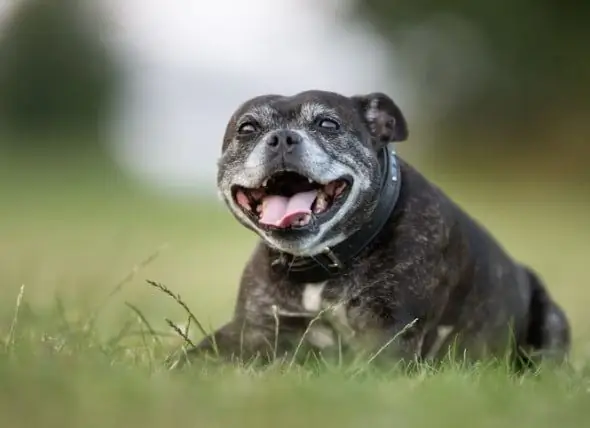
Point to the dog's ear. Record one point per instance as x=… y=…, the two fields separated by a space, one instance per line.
x=383 y=117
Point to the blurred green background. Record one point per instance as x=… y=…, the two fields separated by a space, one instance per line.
x=514 y=153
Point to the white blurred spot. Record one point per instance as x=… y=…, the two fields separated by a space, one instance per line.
x=190 y=64
x=312 y=297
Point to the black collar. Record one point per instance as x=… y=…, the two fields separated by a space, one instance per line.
x=335 y=261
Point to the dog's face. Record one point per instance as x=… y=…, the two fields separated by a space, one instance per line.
x=302 y=171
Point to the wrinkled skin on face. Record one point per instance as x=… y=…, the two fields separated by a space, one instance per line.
x=328 y=144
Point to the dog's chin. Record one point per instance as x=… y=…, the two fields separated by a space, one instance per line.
x=288 y=209
x=302 y=241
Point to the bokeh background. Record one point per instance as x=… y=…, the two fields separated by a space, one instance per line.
x=112 y=112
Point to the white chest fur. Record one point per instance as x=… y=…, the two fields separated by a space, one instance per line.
x=312 y=299
x=327 y=312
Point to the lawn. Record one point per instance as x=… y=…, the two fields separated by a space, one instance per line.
x=78 y=241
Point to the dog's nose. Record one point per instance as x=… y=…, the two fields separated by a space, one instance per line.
x=284 y=140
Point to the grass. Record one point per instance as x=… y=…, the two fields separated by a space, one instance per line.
x=78 y=242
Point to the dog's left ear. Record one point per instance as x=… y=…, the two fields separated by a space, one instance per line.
x=383 y=117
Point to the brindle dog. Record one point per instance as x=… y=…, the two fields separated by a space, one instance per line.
x=359 y=250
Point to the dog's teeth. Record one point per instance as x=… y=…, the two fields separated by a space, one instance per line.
x=329 y=189
x=321 y=203
x=340 y=188
x=265 y=183
x=310 y=180
x=303 y=220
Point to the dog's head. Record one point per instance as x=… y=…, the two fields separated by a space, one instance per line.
x=302 y=171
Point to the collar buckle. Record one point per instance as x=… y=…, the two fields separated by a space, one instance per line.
x=335 y=261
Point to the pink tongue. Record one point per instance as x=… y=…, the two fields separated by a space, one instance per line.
x=282 y=211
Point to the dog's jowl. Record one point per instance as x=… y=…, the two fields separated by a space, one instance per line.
x=358 y=250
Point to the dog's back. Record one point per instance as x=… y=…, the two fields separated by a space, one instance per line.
x=491 y=290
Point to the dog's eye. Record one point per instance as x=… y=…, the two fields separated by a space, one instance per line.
x=247 y=128
x=328 y=124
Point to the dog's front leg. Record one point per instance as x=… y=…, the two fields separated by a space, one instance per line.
x=398 y=314
x=259 y=340
x=238 y=340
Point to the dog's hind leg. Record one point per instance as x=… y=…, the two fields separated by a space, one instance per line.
x=548 y=334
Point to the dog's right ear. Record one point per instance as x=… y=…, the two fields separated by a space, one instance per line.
x=383 y=117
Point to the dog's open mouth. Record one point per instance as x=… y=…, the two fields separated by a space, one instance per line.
x=288 y=199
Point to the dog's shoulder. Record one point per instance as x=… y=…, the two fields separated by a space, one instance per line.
x=423 y=211
x=430 y=225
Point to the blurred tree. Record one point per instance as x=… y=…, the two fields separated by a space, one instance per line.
x=55 y=74
x=535 y=77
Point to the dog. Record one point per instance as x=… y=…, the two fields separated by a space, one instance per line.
x=359 y=251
